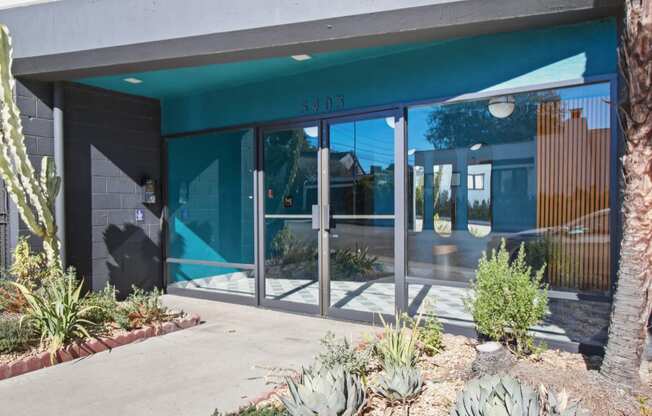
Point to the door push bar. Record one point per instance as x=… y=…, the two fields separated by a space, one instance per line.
x=321 y=214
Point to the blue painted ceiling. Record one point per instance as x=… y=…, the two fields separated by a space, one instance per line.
x=188 y=80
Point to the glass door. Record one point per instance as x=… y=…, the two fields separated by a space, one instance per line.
x=290 y=190
x=360 y=178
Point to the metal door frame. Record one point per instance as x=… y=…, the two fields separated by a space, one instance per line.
x=324 y=217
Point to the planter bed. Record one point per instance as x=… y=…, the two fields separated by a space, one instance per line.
x=33 y=360
x=446 y=373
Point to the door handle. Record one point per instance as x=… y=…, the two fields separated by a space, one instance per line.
x=326 y=216
x=321 y=214
x=315 y=217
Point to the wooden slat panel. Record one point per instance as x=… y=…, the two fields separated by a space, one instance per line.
x=573 y=190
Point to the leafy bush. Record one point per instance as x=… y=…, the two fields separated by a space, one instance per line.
x=252 y=410
x=325 y=392
x=56 y=311
x=507 y=299
x=398 y=345
x=142 y=308
x=14 y=337
x=354 y=262
x=340 y=353
x=28 y=268
x=430 y=335
x=11 y=300
x=288 y=249
x=399 y=384
x=102 y=306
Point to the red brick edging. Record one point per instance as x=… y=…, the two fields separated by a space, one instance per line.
x=92 y=346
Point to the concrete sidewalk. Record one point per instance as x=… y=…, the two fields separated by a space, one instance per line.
x=219 y=364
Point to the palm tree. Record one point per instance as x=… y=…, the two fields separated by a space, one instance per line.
x=624 y=360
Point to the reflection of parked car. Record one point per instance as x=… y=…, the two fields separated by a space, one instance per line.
x=576 y=253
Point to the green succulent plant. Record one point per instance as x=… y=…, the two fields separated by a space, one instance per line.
x=503 y=395
x=332 y=392
x=399 y=384
x=553 y=404
x=496 y=396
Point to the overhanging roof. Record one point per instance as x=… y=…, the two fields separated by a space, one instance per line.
x=69 y=39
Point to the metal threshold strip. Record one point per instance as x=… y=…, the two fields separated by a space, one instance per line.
x=244 y=266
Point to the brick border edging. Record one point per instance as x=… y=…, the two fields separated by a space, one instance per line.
x=92 y=346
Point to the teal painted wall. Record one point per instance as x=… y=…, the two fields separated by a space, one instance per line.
x=436 y=70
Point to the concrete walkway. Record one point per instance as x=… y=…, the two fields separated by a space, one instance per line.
x=221 y=364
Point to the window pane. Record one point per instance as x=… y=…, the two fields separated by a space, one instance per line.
x=210 y=200
x=538 y=177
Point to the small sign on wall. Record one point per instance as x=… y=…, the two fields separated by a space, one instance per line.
x=139 y=215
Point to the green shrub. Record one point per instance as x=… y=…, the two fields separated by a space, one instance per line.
x=27 y=267
x=507 y=299
x=398 y=345
x=340 y=353
x=56 y=311
x=142 y=308
x=288 y=249
x=354 y=261
x=430 y=335
x=252 y=410
x=102 y=306
x=14 y=337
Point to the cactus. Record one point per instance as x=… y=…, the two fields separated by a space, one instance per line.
x=325 y=392
x=33 y=196
x=399 y=384
x=506 y=396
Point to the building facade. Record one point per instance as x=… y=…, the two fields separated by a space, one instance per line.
x=344 y=162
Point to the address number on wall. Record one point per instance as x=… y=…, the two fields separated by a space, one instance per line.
x=322 y=104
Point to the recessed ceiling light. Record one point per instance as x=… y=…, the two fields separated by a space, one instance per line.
x=302 y=57
x=132 y=80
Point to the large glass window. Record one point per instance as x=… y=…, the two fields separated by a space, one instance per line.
x=211 y=212
x=530 y=168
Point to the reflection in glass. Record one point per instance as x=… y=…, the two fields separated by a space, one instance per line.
x=479 y=199
x=210 y=200
x=290 y=162
x=362 y=204
x=539 y=177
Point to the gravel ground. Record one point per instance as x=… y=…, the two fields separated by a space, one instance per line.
x=446 y=373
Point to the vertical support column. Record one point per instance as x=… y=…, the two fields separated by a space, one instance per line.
x=259 y=217
x=324 y=229
x=59 y=160
x=400 y=217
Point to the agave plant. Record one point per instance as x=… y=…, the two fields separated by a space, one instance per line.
x=553 y=404
x=399 y=384
x=496 y=396
x=506 y=396
x=332 y=392
x=56 y=311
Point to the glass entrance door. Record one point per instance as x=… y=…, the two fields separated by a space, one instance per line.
x=290 y=190
x=360 y=181
x=328 y=223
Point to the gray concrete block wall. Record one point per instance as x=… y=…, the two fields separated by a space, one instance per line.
x=34 y=99
x=112 y=143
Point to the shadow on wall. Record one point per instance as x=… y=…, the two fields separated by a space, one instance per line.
x=127 y=268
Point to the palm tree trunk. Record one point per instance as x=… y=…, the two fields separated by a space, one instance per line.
x=624 y=360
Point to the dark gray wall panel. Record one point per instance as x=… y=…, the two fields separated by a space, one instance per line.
x=34 y=99
x=112 y=141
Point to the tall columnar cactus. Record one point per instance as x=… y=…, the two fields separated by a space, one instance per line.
x=34 y=196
